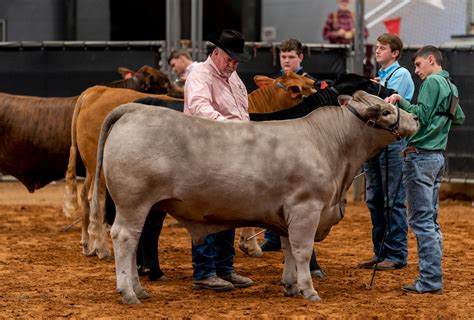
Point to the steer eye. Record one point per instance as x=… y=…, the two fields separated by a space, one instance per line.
x=386 y=113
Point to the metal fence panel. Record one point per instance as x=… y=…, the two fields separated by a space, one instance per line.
x=52 y=69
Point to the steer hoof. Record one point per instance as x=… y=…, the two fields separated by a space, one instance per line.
x=313 y=297
x=255 y=252
x=88 y=252
x=142 y=294
x=130 y=300
x=128 y=296
x=291 y=290
x=104 y=254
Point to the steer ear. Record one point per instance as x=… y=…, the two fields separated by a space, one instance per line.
x=295 y=91
x=125 y=72
x=343 y=99
x=263 y=81
x=147 y=80
x=150 y=78
x=374 y=111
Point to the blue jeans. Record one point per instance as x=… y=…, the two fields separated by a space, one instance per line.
x=272 y=237
x=395 y=248
x=422 y=178
x=215 y=256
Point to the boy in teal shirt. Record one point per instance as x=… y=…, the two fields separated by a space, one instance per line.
x=437 y=109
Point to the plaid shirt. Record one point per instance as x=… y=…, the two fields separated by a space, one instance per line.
x=340 y=19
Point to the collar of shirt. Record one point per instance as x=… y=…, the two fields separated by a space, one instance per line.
x=217 y=70
x=297 y=71
x=189 y=68
x=443 y=73
x=384 y=73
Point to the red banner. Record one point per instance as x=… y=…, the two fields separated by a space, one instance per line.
x=393 y=25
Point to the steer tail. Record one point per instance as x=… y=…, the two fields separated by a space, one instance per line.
x=97 y=227
x=70 y=194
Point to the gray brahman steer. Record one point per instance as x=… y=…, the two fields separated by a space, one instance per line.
x=288 y=176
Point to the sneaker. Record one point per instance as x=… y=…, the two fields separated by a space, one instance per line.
x=213 y=283
x=267 y=245
x=411 y=288
x=237 y=281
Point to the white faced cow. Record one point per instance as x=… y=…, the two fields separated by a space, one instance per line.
x=214 y=175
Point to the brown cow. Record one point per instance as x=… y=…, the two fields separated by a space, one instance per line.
x=280 y=93
x=91 y=108
x=148 y=79
x=35 y=135
x=35 y=131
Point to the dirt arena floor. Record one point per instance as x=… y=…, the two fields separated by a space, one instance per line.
x=43 y=273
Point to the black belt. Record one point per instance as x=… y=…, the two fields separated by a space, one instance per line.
x=412 y=149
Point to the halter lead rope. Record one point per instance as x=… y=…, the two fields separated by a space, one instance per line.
x=388 y=211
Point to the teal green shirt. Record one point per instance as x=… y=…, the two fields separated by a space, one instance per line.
x=434 y=96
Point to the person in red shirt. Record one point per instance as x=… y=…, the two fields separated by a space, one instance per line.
x=340 y=25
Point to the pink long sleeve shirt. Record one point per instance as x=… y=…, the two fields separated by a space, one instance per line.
x=207 y=94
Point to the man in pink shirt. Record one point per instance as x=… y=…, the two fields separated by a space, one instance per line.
x=214 y=91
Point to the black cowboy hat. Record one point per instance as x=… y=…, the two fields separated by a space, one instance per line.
x=233 y=43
